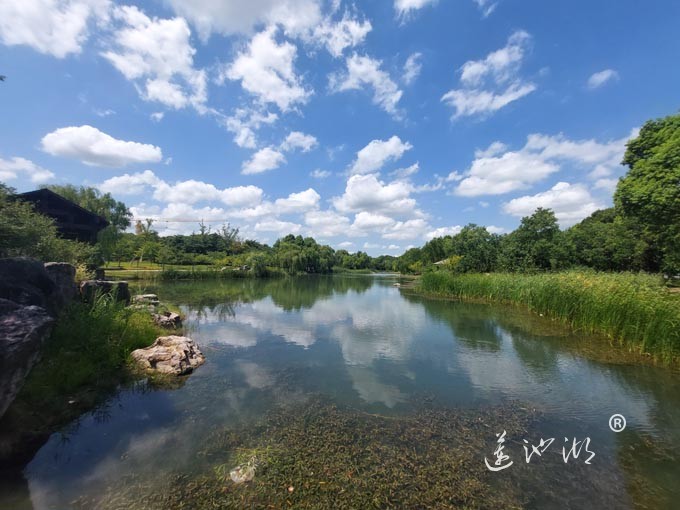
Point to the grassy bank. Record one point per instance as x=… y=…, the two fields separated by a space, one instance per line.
x=89 y=348
x=82 y=363
x=202 y=273
x=635 y=310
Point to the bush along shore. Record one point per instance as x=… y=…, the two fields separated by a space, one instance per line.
x=634 y=310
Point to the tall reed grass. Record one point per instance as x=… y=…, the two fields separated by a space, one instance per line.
x=635 y=310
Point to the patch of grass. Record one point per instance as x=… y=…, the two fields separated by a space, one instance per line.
x=88 y=348
x=344 y=270
x=184 y=273
x=635 y=310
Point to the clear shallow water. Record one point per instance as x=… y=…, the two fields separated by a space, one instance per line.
x=361 y=342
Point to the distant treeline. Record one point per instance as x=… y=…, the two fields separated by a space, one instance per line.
x=640 y=233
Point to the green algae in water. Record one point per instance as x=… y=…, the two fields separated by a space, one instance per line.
x=318 y=455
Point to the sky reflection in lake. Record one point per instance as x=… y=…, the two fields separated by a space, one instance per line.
x=358 y=342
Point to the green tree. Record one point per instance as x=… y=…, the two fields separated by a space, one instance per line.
x=607 y=242
x=537 y=243
x=649 y=193
x=477 y=247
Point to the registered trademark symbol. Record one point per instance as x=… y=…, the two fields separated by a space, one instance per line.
x=617 y=422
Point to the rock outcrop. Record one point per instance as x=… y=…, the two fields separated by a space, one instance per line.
x=26 y=282
x=31 y=295
x=64 y=277
x=169 y=355
x=118 y=289
x=23 y=329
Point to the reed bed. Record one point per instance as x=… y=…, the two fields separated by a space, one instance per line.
x=634 y=310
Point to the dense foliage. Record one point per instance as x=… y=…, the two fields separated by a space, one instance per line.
x=650 y=193
x=23 y=232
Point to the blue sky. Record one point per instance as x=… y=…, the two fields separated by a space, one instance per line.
x=370 y=125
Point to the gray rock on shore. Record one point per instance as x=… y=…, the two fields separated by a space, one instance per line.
x=64 y=277
x=31 y=295
x=23 y=330
x=118 y=289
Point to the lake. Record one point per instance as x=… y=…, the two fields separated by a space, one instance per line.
x=352 y=392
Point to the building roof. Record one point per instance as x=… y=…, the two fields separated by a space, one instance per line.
x=72 y=220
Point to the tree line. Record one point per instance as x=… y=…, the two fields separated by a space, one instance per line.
x=641 y=232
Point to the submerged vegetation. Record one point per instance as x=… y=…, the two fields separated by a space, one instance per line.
x=316 y=455
x=635 y=310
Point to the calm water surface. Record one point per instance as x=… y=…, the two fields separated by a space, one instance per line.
x=364 y=343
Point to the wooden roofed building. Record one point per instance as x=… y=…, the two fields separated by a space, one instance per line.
x=72 y=221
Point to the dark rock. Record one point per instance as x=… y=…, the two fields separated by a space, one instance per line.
x=119 y=290
x=23 y=329
x=26 y=282
x=64 y=277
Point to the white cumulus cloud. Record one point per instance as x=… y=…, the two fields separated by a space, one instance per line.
x=298 y=140
x=570 y=202
x=406 y=7
x=245 y=122
x=367 y=193
x=262 y=161
x=443 y=231
x=236 y=16
x=494 y=82
x=186 y=192
x=266 y=71
x=157 y=55
x=599 y=79
x=95 y=148
x=54 y=27
x=11 y=169
x=364 y=71
x=337 y=36
x=326 y=224
x=412 y=68
x=378 y=152
x=498 y=170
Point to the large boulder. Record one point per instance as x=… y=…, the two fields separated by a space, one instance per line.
x=26 y=282
x=23 y=329
x=64 y=277
x=169 y=355
x=91 y=288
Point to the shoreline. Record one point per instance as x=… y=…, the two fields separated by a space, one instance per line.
x=579 y=300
